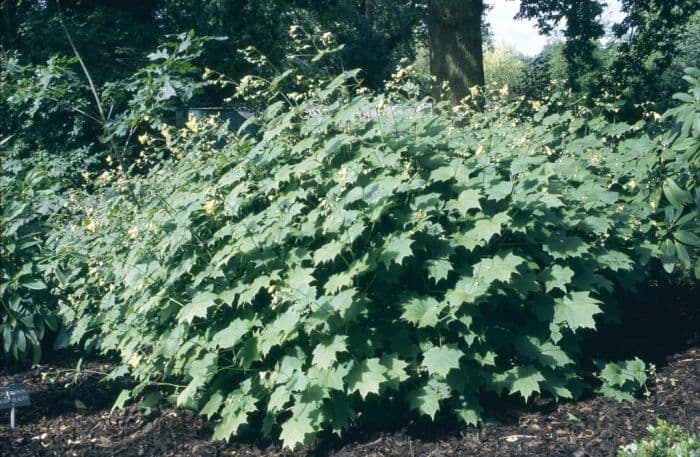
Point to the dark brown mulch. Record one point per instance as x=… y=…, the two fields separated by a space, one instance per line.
x=70 y=417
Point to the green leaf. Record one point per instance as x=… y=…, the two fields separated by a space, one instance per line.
x=33 y=283
x=687 y=238
x=324 y=354
x=396 y=248
x=395 y=370
x=468 y=199
x=576 y=310
x=328 y=252
x=231 y=335
x=563 y=247
x=423 y=312
x=675 y=195
x=366 y=377
x=557 y=277
x=668 y=255
x=439 y=360
x=122 y=398
x=498 y=268
x=213 y=405
x=338 y=282
x=682 y=254
x=235 y=413
x=197 y=307
x=615 y=260
x=438 y=269
x=525 y=381
x=617 y=394
x=426 y=399
x=339 y=413
x=296 y=430
x=485 y=229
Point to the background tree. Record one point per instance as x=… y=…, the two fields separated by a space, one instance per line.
x=657 y=40
x=582 y=29
x=455 y=40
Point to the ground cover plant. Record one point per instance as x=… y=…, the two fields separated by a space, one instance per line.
x=666 y=440
x=363 y=249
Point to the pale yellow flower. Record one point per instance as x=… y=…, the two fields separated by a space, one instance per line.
x=209 y=207
x=135 y=361
x=143 y=138
x=191 y=124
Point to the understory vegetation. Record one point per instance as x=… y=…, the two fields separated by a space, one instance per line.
x=346 y=247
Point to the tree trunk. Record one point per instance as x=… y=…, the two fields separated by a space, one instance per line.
x=454 y=37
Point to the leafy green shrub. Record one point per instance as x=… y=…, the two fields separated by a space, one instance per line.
x=622 y=380
x=504 y=66
x=28 y=197
x=667 y=441
x=349 y=251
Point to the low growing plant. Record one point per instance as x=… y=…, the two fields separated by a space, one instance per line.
x=666 y=441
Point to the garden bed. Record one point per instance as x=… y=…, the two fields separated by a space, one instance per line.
x=71 y=416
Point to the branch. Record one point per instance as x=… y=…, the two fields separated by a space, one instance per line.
x=82 y=64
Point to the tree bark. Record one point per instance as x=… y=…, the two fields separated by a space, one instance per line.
x=454 y=37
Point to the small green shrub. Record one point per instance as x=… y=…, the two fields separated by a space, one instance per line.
x=666 y=441
x=622 y=380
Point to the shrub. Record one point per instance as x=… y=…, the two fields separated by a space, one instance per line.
x=667 y=441
x=286 y=279
x=28 y=197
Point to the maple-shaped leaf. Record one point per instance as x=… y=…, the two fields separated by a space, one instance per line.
x=339 y=413
x=576 y=310
x=300 y=278
x=423 y=311
x=212 y=405
x=500 y=190
x=366 y=377
x=438 y=269
x=468 y=199
x=296 y=430
x=395 y=249
x=235 y=413
x=324 y=354
x=467 y=290
x=498 y=268
x=485 y=229
x=328 y=252
x=201 y=371
x=468 y=411
x=329 y=378
x=197 y=307
x=442 y=174
x=563 y=247
x=231 y=335
x=395 y=370
x=557 y=277
x=524 y=380
x=439 y=360
x=547 y=353
x=338 y=282
x=615 y=260
x=612 y=392
x=251 y=290
x=426 y=399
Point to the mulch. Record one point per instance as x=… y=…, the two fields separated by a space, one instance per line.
x=70 y=416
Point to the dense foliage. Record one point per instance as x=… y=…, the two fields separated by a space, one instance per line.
x=345 y=249
x=371 y=250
